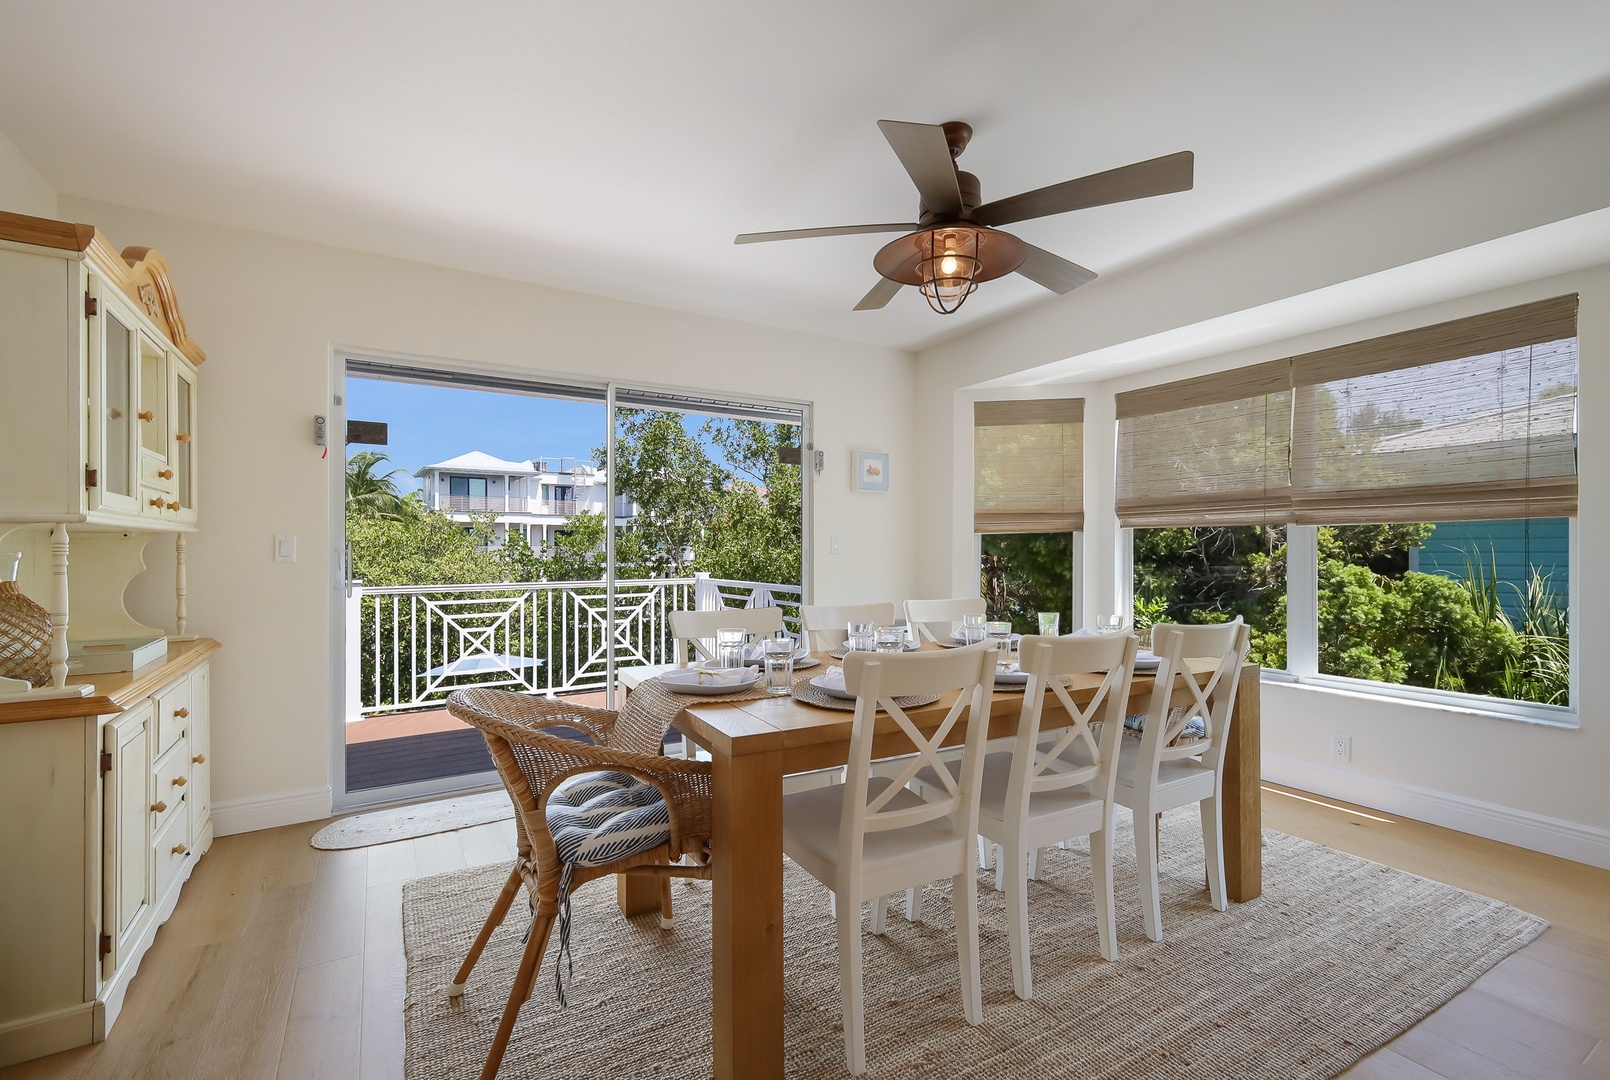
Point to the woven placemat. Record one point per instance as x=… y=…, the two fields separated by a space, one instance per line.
x=810 y=695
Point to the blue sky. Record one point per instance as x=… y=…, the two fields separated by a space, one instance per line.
x=433 y=423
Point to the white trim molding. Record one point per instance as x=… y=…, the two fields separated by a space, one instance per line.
x=1522 y=828
x=287 y=808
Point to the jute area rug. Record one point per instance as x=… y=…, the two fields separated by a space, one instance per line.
x=1337 y=957
x=419 y=819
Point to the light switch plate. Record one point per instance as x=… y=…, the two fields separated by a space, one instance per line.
x=285 y=547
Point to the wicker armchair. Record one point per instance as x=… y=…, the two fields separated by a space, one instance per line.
x=532 y=763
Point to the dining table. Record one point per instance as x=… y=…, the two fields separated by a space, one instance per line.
x=753 y=744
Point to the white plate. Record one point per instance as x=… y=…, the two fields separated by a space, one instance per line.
x=832 y=691
x=1011 y=678
x=686 y=681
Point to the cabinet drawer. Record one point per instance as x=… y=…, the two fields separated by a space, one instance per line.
x=156 y=503
x=156 y=474
x=172 y=850
x=172 y=786
x=173 y=714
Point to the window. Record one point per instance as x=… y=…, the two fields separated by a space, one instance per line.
x=1419 y=487
x=472 y=486
x=1213 y=574
x=1028 y=504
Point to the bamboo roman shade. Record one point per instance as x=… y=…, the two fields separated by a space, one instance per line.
x=1210 y=450
x=1028 y=465
x=1472 y=419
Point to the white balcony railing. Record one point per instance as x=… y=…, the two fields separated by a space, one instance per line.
x=410 y=646
x=480 y=504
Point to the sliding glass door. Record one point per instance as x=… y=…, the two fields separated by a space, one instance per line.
x=534 y=536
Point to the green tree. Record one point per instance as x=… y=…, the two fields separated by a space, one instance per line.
x=427 y=548
x=1022 y=574
x=371 y=494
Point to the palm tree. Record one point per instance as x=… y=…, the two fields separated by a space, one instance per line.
x=374 y=495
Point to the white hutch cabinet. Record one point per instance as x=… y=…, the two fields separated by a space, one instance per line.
x=105 y=805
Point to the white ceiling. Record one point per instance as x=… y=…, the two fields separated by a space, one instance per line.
x=616 y=148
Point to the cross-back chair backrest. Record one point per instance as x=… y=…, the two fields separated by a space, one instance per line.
x=1060 y=671
x=827 y=625
x=698 y=628
x=936 y=619
x=1179 y=697
x=877 y=679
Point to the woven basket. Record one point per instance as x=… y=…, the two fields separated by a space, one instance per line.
x=24 y=637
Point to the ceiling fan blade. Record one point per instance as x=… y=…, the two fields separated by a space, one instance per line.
x=925 y=152
x=1159 y=176
x=831 y=230
x=880 y=295
x=1053 y=271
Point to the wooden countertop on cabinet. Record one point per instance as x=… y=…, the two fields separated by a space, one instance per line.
x=114 y=690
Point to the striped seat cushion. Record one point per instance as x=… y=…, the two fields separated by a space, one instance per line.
x=1135 y=724
x=598 y=818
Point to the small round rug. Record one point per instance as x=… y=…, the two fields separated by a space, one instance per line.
x=420 y=819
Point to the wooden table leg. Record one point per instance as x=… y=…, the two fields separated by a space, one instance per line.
x=747 y=902
x=637 y=894
x=1243 y=793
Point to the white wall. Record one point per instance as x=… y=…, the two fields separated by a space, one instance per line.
x=1304 y=280
x=267 y=311
x=22 y=189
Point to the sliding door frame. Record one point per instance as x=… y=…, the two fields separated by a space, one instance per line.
x=437 y=371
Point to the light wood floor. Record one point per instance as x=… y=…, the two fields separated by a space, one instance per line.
x=282 y=961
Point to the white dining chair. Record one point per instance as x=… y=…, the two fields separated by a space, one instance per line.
x=1049 y=790
x=825 y=626
x=698 y=628
x=936 y=620
x=872 y=835
x=1179 y=758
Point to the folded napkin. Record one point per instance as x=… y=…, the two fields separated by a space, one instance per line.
x=710 y=677
x=832 y=679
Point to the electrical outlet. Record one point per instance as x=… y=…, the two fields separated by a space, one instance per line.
x=1341 y=746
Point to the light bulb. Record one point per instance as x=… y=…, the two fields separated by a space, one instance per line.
x=947 y=266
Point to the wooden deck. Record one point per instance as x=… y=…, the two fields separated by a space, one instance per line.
x=425 y=744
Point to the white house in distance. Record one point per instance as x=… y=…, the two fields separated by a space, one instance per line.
x=535 y=498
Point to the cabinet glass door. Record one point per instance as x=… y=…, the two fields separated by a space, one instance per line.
x=114 y=380
x=184 y=429
x=153 y=399
x=118 y=408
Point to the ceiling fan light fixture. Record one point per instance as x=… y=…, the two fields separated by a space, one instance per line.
x=950 y=267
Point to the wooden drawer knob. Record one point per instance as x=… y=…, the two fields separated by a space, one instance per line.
x=158 y=806
x=166 y=474
x=181 y=713
x=199 y=759
x=157 y=503
x=179 y=781
x=180 y=849
x=183 y=436
x=147 y=415
x=173 y=506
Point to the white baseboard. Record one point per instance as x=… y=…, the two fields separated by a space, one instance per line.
x=36 y=1036
x=289 y=808
x=1522 y=828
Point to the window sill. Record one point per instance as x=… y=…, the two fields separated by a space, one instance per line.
x=1443 y=701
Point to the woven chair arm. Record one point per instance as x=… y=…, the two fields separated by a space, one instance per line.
x=511 y=714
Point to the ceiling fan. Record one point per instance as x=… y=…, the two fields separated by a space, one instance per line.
x=954 y=244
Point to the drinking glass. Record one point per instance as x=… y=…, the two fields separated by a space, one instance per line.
x=860 y=636
x=891 y=638
x=730 y=646
x=1050 y=623
x=779 y=657
x=972 y=629
x=1109 y=624
x=1001 y=634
